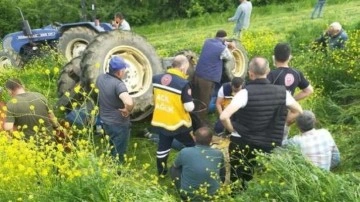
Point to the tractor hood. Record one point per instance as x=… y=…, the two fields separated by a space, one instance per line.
x=16 y=40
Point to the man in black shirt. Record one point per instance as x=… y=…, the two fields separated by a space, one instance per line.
x=287 y=76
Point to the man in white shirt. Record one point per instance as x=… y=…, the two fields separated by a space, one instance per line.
x=119 y=22
x=317 y=145
x=258 y=114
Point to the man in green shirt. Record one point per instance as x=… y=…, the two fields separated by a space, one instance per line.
x=28 y=111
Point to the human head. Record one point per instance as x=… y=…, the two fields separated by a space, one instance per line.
x=203 y=136
x=306 y=121
x=181 y=62
x=13 y=84
x=221 y=34
x=119 y=17
x=236 y=84
x=334 y=28
x=282 y=52
x=117 y=64
x=258 y=68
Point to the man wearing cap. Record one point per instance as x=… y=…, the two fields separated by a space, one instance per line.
x=210 y=68
x=334 y=37
x=316 y=144
x=115 y=106
x=173 y=102
x=258 y=113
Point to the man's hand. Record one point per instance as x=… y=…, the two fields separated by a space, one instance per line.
x=124 y=112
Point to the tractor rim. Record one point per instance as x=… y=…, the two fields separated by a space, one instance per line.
x=138 y=76
x=75 y=48
x=240 y=63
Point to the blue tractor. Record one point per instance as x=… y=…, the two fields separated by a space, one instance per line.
x=70 y=39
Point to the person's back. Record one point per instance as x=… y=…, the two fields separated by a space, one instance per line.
x=315 y=144
x=287 y=76
x=210 y=64
x=109 y=101
x=200 y=165
x=26 y=110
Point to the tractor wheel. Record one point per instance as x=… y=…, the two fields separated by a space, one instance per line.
x=237 y=67
x=74 y=41
x=10 y=59
x=137 y=52
x=69 y=77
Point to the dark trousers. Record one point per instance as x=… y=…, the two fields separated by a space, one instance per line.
x=202 y=90
x=164 y=148
x=242 y=159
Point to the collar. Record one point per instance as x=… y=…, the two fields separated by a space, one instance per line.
x=177 y=72
x=259 y=81
x=309 y=132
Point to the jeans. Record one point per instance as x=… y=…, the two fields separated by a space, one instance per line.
x=119 y=138
x=318 y=7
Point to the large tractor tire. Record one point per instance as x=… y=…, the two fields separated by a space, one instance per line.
x=238 y=65
x=69 y=77
x=74 y=41
x=9 y=59
x=137 y=52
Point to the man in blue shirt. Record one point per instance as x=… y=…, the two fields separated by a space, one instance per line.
x=334 y=37
x=241 y=17
x=199 y=168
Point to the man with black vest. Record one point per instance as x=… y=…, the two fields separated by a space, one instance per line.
x=209 y=68
x=258 y=115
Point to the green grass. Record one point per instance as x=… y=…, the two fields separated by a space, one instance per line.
x=289 y=22
x=169 y=37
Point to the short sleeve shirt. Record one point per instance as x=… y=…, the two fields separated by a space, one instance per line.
x=200 y=164
x=288 y=77
x=109 y=90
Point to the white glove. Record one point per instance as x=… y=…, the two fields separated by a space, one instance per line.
x=235 y=134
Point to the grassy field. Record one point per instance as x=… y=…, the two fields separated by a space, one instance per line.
x=280 y=20
x=269 y=25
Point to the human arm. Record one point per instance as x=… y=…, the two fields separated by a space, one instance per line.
x=294 y=108
x=304 y=93
x=53 y=119
x=128 y=103
x=236 y=15
x=220 y=100
x=335 y=157
x=187 y=99
x=239 y=101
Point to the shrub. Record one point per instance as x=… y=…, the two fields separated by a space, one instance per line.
x=287 y=176
x=326 y=69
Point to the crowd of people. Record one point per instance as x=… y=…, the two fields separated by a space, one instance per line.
x=255 y=114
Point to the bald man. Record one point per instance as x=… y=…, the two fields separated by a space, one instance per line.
x=173 y=102
x=334 y=37
x=258 y=115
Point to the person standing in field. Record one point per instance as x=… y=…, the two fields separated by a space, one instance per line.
x=318 y=8
x=258 y=114
x=241 y=17
x=210 y=69
x=115 y=106
x=287 y=76
x=172 y=104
